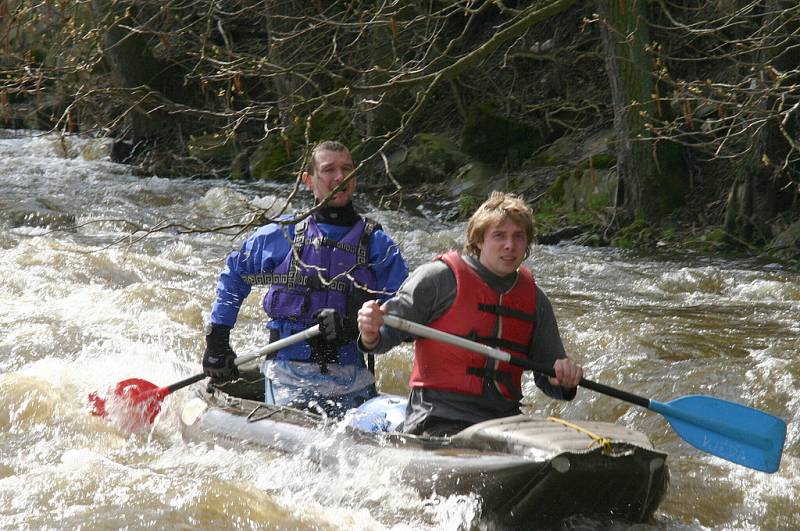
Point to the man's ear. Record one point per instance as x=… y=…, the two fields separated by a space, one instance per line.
x=306 y=179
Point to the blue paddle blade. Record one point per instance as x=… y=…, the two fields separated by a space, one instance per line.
x=738 y=433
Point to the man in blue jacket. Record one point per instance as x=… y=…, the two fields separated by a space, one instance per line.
x=320 y=270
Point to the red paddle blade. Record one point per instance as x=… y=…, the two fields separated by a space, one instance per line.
x=133 y=403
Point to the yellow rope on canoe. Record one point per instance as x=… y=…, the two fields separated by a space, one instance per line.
x=605 y=442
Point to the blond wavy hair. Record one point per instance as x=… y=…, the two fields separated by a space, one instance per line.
x=500 y=206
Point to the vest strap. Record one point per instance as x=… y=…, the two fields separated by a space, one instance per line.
x=350 y=248
x=505 y=311
x=297 y=280
x=297 y=249
x=497 y=342
x=362 y=252
x=494 y=375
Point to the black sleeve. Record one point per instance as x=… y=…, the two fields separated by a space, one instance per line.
x=546 y=346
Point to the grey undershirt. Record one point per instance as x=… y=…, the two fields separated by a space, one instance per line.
x=430 y=291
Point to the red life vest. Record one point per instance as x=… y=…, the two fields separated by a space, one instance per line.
x=479 y=312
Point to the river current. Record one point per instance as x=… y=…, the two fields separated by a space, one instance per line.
x=87 y=301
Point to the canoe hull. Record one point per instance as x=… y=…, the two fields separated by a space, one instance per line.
x=525 y=469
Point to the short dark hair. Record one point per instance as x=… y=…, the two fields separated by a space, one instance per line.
x=325 y=145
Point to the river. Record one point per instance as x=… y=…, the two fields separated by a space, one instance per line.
x=87 y=302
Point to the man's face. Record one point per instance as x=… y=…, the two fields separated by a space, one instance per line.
x=503 y=247
x=331 y=168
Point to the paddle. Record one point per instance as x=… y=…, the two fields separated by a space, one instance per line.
x=734 y=432
x=136 y=402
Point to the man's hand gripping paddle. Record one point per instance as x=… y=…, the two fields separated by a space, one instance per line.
x=134 y=403
x=737 y=433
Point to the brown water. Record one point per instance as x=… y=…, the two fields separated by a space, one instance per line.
x=82 y=310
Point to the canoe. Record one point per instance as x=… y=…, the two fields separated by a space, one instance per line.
x=525 y=469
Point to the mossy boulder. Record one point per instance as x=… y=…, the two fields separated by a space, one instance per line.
x=328 y=124
x=787 y=243
x=211 y=146
x=561 y=151
x=472 y=184
x=499 y=140
x=280 y=154
x=577 y=150
x=430 y=158
x=630 y=235
x=589 y=189
x=274 y=158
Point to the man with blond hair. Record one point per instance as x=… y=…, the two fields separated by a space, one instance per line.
x=484 y=294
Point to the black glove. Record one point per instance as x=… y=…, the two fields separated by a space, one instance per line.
x=218 y=359
x=335 y=330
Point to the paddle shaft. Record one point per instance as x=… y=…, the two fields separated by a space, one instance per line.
x=250 y=356
x=432 y=333
x=727 y=427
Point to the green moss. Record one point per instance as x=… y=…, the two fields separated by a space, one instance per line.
x=239 y=166
x=273 y=159
x=556 y=190
x=622 y=243
x=716 y=235
x=430 y=158
x=637 y=232
x=467 y=205
x=601 y=161
x=327 y=124
x=38 y=55
x=540 y=160
x=547 y=216
x=211 y=147
x=599 y=202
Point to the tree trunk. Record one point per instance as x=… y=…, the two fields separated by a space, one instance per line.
x=759 y=186
x=133 y=66
x=282 y=20
x=643 y=192
x=751 y=202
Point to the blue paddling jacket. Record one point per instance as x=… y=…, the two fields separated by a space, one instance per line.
x=340 y=267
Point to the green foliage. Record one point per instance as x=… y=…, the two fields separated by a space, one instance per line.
x=375 y=75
